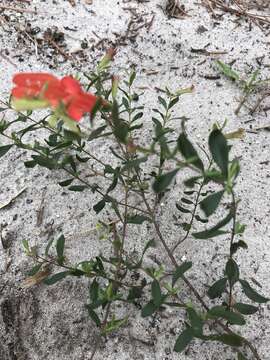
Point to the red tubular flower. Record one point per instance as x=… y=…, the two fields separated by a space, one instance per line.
x=66 y=91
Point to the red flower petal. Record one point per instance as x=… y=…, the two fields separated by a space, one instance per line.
x=28 y=79
x=70 y=85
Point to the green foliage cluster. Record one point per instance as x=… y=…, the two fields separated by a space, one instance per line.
x=142 y=171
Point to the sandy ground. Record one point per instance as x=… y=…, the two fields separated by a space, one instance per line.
x=51 y=323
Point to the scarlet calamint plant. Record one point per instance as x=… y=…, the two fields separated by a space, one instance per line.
x=138 y=175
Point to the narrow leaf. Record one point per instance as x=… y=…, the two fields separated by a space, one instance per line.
x=4 y=149
x=188 y=151
x=214 y=231
x=217 y=288
x=163 y=181
x=55 y=278
x=219 y=150
x=245 y=309
x=211 y=202
x=179 y=272
x=183 y=340
x=251 y=293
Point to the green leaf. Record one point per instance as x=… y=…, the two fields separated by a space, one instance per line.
x=66 y=182
x=163 y=181
x=237 y=245
x=245 y=309
x=93 y=291
x=60 y=245
x=179 y=272
x=77 y=187
x=214 y=231
x=229 y=339
x=55 y=278
x=149 y=309
x=162 y=102
x=120 y=127
x=251 y=293
x=195 y=321
x=30 y=164
x=99 y=206
x=211 y=202
x=4 y=149
x=132 y=77
x=183 y=210
x=189 y=152
x=156 y=293
x=217 y=288
x=173 y=102
x=137 y=116
x=95 y=133
x=227 y=71
x=223 y=312
x=232 y=271
x=133 y=163
x=48 y=247
x=183 y=340
x=44 y=161
x=35 y=269
x=93 y=315
x=204 y=221
x=137 y=219
x=186 y=201
x=219 y=150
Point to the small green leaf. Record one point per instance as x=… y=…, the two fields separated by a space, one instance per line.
x=188 y=151
x=95 y=133
x=4 y=149
x=227 y=71
x=214 y=231
x=183 y=210
x=93 y=315
x=163 y=181
x=179 y=272
x=44 y=161
x=77 y=187
x=99 y=206
x=229 y=339
x=223 y=312
x=60 y=245
x=120 y=127
x=56 y=277
x=183 y=340
x=156 y=293
x=30 y=164
x=232 y=271
x=35 y=269
x=66 y=182
x=137 y=219
x=219 y=150
x=245 y=309
x=149 y=309
x=195 y=321
x=217 y=288
x=93 y=291
x=162 y=102
x=237 y=245
x=251 y=293
x=211 y=202
x=186 y=201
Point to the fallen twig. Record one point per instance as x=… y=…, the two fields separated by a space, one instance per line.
x=20 y=10
x=10 y=201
